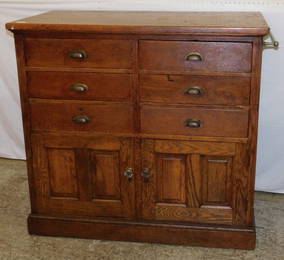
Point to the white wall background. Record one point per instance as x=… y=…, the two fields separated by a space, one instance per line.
x=270 y=161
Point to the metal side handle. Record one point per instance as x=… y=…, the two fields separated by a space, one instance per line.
x=269 y=42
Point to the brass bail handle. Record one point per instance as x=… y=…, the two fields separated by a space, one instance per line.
x=269 y=42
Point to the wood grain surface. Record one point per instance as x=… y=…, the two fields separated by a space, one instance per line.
x=136 y=170
x=101 y=86
x=221 y=23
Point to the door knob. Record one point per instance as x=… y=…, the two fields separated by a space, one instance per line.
x=129 y=174
x=146 y=173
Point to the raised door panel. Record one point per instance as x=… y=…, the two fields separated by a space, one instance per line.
x=217 y=178
x=171 y=178
x=83 y=176
x=62 y=173
x=189 y=181
x=105 y=180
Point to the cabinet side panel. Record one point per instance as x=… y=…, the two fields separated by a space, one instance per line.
x=253 y=127
x=20 y=54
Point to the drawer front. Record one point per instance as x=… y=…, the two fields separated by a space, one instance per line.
x=195 y=56
x=194 y=121
x=77 y=116
x=94 y=53
x=195 y=89
x=72 y=85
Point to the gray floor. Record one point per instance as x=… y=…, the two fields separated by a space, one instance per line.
x=15 y=243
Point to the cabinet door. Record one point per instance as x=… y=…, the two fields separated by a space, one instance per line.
x=187 y=181
x=83 y=176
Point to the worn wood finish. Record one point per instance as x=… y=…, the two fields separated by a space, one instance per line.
x=135 y=171
x=59 y=115
x=144 y=232
x=100 y=86
x=84 y=180
x=213 y=90
x=227 y=23
x=213 y=122
x=99 y=53
x=178 y=176
x=214 y=56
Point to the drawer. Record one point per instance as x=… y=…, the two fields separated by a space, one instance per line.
x=195 y=56
x=95 y=53
x=81 y=116
x=194 y=121
x=195 y=89
x=77 y=85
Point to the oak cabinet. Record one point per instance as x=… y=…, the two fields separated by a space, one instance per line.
x=141 y=126
x=188 y=181
x=83 y=176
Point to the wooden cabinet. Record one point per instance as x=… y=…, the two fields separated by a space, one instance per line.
x=141 y=126
x=83 y=176
x=188 y=181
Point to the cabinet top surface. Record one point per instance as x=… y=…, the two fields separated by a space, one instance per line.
x=207 y=23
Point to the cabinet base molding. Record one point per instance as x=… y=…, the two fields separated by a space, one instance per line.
x=191 y=235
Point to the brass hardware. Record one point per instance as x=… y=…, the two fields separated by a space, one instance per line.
x=146 y=173
x=81 y=119
x=78 y=55
x=193 y=123
x=79 y=87
x=272 y=44
x=193 y=91
x=129 y=174
x=193 y=56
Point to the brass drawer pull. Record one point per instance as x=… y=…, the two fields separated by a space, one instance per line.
x=193 y=56
x=193 y=123
x=79 y=87
x=193 y=91
x=146 y=173
x=78 y=55
x=81 y=119
x=129 y=174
